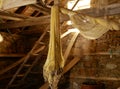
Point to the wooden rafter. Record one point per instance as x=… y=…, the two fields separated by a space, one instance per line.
x=97 y=78
x=40 y=8
x=11 y=16
x=29 y=22
x=12 y=55
x=72 y=41
x=111 y=10
x=64 y=2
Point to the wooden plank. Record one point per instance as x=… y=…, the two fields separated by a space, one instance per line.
x=11 y=16
x=97 y=78
x=7 y=4
x=112 y=10
x=69 y=47
x=12 y=55
x=71 y=64
x=29 y=22
x=40 y=8
x=12 y=66
x=66 y=68
x=63 y=3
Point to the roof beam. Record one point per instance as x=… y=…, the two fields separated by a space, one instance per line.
x=12 y=55
x=108 y=10
x=40 y=8
x=7 y=4
x=11 y=16
x=111 y=10
x=29 y=22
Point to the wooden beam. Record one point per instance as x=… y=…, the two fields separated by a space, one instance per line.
x=29 y=22
x=11 y=16
x=97 y=78
x=7 y=4
x=66 y=68
x=108 y=10
x=40 y=8
x=112 y=10
x=12 y=55
x=63 y=3
x=11 y=66
x=72 y=41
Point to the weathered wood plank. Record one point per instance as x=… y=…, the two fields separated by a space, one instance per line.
x=111 y=10
x=11 y=16
x=72 y=41
x=12 y=55
x=108 y=10
x=29 y=22
x=7 y=4
x=40 y=8
x=96 y=78
x=63 y=3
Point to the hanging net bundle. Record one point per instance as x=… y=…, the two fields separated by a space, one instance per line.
x=90 y=27
x=54 y=64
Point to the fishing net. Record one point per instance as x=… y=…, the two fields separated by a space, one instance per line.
x=90 y=27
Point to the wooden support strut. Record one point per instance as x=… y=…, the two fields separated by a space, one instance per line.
x=29 y=22
x=111 y=10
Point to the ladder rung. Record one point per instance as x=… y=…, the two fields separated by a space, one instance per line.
x=27 y=65
x=20 y=75
x=14 y=85
x=35 y=54
x=42 y=43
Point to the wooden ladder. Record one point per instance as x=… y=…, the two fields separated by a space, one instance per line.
x=27 y=63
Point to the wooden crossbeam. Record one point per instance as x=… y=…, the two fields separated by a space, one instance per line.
x=72 y=41
x=111 y=10
x=40 y=8
x=12 y=55
x=29 y=22
x=7 y=4
x=97 y=78
x=11 y=16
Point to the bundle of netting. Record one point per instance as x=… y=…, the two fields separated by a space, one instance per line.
x=54 y=64
x=90 y=27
